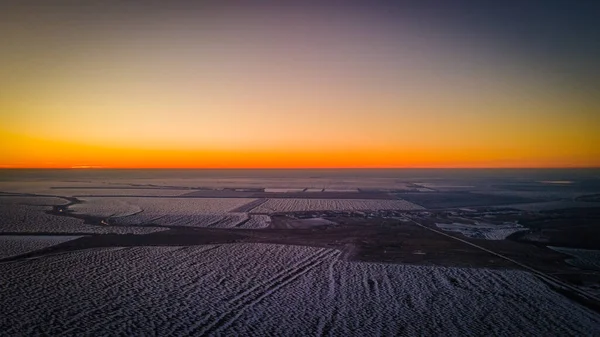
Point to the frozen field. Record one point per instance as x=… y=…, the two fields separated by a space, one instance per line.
x=174 y=206
x=295 y=205
x=106 y=207
x=158 y=192
x=189 y=212
x=259 y=289
x=482 y=230
x=22 y=217
x=583 y=258
x=257 y=221
x=283 y=190
x=342 y=190
x=8 y=201
x=73 y=188
x=314 y=190
x=224 y=220
x=13 y=245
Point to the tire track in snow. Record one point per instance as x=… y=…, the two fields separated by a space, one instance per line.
x=247 y=208
x=138 y=268
x=325 y=324
x=247 y=293
x=251 y=297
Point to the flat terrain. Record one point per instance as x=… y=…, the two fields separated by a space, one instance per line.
x=247 y=289
x=331 y=255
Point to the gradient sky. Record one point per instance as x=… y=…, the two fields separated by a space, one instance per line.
x=273 y=85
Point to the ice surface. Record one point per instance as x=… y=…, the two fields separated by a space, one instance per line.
x=294 y=205
x=482 y=230
x=13 y=245
x=275 y=290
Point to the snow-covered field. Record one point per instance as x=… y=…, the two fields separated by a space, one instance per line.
x=583 y=258
x=160 y=186
x=283 y=190
x=341 y=190
x=482 y=230
x=173 y=206
x=31 y=201
x=158 y=192
x=257 y=221
x=106 y=207
x=261 y=289
x=314 y=190
x=192 y=212
x=295 y=205
x=187 y=220
x=13 y=245
x=69 y=188
x=22 y=217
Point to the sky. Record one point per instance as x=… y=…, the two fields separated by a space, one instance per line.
x=280 y=85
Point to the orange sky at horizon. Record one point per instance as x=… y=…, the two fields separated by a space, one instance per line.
x=239 y=89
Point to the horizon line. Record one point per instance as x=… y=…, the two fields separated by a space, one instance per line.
x=305 y=168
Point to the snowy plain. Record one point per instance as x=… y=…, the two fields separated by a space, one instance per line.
x=296 y=205
x=22 y=214
x=177 y=206
x=263 y=289
x=189 y=212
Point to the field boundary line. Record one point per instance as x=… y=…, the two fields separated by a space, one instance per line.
x=548 y=278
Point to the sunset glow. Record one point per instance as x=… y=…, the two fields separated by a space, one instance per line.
x=281 y=86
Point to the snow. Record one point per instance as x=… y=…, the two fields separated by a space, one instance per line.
x=24 y=218
x=273 y=290
x=482 y=230
x=424 y=189
x=257 y=221
x=294 y=205
x=186 y=220
x=106 y=207
x=31 y=201
x=175 y=206
x=189 y=212
x=159 y=192
x=342 y=190
x=192 y=212
x=13 y=245
x=583 y=258
x=283 y=190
